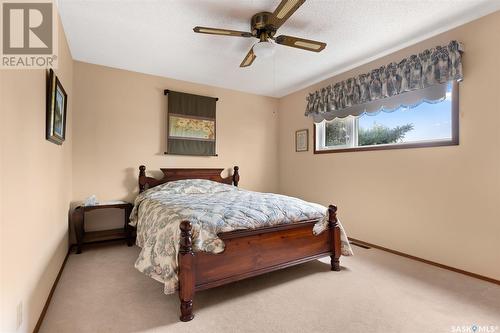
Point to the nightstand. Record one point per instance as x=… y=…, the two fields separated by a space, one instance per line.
x=83 y=237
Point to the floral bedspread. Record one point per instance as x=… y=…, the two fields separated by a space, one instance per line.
x=211 y=208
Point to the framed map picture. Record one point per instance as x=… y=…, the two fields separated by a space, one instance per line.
x=302 y=140
x=191 y=128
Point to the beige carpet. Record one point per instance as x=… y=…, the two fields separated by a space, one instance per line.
x=100 y=291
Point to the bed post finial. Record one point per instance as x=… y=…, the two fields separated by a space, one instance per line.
x=142 y=178
x=186 y=272
x=236 y=175
x=332 y=214
x=186 y=243
x=335 y=237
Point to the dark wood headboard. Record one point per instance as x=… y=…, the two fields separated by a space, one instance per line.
x=170 y=174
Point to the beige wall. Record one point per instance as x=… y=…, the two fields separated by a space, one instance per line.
x=119 y=124
x=36 y=186
x=442 y=203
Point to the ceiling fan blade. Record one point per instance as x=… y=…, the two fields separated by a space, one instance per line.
x=300 y=43
x=249 y=58
x=284 y=10
x=221 y=32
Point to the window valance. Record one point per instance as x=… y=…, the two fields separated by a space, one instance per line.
x=415 y=79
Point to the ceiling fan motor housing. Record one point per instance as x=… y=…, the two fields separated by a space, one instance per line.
x=263 y=23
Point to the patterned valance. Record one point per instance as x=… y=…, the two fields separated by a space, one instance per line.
x=413 y=80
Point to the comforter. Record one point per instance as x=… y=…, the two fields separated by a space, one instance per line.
x=211 y=208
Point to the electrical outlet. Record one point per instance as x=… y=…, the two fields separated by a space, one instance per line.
x=19 y=315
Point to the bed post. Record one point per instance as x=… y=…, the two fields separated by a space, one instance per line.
x=236 y=175
x=335 y=237
x=186 y=272
x=142 y=178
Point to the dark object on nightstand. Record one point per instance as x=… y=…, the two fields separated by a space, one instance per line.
x=83 y=237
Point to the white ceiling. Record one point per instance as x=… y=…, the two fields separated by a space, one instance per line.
x=156 y=37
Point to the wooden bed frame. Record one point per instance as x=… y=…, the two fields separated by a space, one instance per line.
x=247 y=253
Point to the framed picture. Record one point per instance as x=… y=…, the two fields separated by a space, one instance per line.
x=57 y=101
x=191 y=124
x=302 y=140
x=191 y=128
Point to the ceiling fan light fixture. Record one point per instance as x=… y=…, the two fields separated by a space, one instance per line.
x=263 y=26
x=263 y=49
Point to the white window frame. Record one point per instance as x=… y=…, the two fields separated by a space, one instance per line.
x=321 y=132
x=319 y=135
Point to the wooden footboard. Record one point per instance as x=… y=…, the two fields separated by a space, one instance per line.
x=252 y=252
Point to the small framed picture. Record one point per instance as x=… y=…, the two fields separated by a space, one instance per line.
x=302 y=140
x=57 y=101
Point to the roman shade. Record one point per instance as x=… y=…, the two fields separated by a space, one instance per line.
x=191 y=124
x=414 y=80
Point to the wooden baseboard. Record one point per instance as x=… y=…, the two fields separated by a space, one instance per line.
x=46 y=306
x=453 y=269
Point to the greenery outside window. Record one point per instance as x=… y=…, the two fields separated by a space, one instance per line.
x=423 y=125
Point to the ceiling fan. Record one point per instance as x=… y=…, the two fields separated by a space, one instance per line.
x=264 y=26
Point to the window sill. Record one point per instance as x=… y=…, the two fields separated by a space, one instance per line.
x=390 y=147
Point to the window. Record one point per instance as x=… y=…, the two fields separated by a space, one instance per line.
x=424 y=125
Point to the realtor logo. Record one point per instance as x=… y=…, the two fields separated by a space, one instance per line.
x=28 y=34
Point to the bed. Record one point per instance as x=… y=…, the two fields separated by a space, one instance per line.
x=198 y=230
